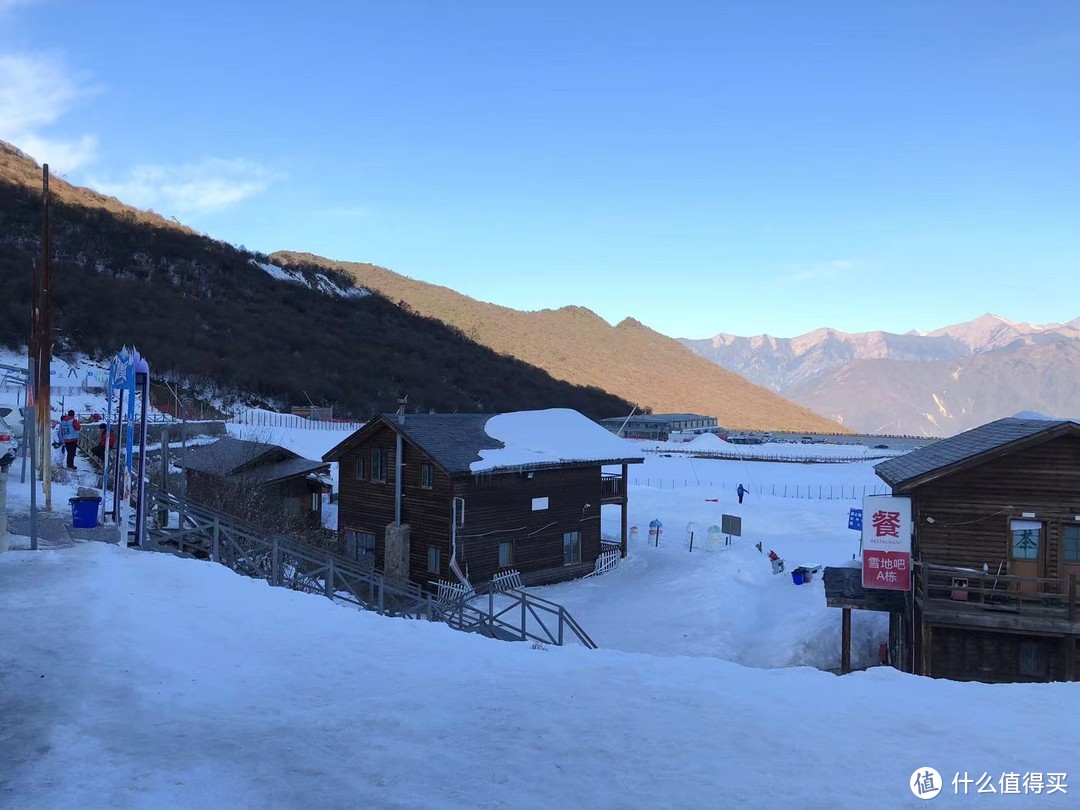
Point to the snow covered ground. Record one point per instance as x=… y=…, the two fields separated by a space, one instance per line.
x=139 y=680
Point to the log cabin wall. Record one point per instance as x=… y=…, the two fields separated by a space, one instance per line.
x=966 y=532
x=499 y=508
x=367 y=506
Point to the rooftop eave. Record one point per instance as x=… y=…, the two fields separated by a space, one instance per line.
x=556 y=465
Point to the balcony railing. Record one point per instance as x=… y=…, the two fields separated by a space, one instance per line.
x=940 y=586
x=612 y=487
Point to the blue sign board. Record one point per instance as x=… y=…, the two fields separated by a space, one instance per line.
x=854 y=519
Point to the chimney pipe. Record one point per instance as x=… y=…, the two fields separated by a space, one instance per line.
x=401 y=410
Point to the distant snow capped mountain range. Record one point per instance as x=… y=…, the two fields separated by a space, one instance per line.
x=935 y=383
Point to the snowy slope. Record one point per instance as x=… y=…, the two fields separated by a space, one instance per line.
x=140 y=680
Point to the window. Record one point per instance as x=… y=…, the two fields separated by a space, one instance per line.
x=1072 y=544
x=292 y=507
x=571 y=548
x=1032 y=660
x=433 y=560
x=506 y=553
x=1025 y=539
x=359 y=544
x=427 y=476
x=316 y=497
x=539 y=504
x=378 y=466
x=360 y=468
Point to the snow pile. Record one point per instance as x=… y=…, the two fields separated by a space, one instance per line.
x=322 y=282
x=548 y=437
x=143 y=680
x=709 y=441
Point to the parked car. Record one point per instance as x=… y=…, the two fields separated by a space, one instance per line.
x=13 y=416
x=8 y=442
x=881 y=447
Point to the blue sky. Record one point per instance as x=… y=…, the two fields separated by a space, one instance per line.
x=746 y=167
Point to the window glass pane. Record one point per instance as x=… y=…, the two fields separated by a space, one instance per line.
x=1072 y=544
x=571 y=548
x=539 y=504
x=360 y=467
x=1025 y=544
x=506 y=553
x=432 y=560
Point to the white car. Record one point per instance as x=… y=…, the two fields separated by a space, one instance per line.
x=7 y=439
x=12 y=415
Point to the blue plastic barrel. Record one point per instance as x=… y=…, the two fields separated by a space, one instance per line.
x=84 y=512
x=797 y=577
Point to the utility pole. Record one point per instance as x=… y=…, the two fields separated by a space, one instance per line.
x=45 y=343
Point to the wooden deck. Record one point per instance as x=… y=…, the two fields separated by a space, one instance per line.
x=969 y=598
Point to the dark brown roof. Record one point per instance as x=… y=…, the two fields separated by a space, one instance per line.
x=229 y=457
x=452 y=440
x=968 y=449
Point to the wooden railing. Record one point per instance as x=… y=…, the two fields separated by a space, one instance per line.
x=612 y=487
x=979 y=589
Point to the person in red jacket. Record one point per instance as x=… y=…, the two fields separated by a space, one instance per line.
x=69 y=435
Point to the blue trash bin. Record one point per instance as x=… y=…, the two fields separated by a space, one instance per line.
x=797 y=576
x=84 y=512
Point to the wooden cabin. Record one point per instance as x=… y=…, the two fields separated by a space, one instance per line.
x=996 y=550
x=264 y=484
x=425 y=494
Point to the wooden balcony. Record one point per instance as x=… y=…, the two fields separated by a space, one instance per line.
x=612 y=488
x=971 y=598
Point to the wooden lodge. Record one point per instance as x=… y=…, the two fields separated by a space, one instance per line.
x=996 y=556
x=263 y=484
x=417 y=496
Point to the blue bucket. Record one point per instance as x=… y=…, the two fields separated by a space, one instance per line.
x=84 y=512
x=797 y=577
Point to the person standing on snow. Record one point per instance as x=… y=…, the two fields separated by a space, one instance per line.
x=69 y=435
x=741 y=491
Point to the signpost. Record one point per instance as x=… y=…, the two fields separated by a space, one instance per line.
x=854 y=519
x=886 y=543
x=731 y=525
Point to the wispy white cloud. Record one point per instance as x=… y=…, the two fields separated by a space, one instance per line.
x=817 y=271
x=36 y=90
x=192 y=188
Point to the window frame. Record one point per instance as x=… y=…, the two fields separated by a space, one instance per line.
x=510 y=557
x=541 y=504
x=574 y=539
x=353 y=548
x=438 y=560
x=427 y=475
x=1065 y=541
x=1026 y=556
x=381 y=465
x=360 y=470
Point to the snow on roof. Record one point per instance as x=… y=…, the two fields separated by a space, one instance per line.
x=552 y=436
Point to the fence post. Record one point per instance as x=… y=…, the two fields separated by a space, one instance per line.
x=328 y=581
x=491 y=611
x=524 y=619
x=562 y=614
x=215 y=548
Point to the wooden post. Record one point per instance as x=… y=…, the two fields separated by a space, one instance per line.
x=329 y=581
x=926 y=659
x=275 y=564
x=215 y=547
x=1072 y=597
x=1068 y=651
x=624 y=506
x=845 y=642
